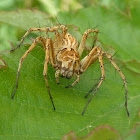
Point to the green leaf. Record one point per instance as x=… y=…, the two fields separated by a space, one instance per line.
x=25 y=19
x=31 y=116
x=104 y=132
x=22 y=19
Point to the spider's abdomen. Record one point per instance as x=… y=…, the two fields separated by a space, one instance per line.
x=68 y=62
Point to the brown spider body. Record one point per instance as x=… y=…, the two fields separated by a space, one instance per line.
x=67 y=57
x=64 y=54
x=68 y=61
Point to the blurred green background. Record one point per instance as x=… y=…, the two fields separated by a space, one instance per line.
x=54 y=7
x=119 y=23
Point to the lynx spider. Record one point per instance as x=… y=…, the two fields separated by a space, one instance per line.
x=64 y=54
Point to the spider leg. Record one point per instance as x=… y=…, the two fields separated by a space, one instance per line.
x=57 y=76
x=52 y=58
x=122 y=76
x=100 y=81
x=48 y=42
x=22 y=59
x=92 y=90
x=75 y=82
x=89 y=60
x=84 y=38
x=46 y=29
x=58 y=40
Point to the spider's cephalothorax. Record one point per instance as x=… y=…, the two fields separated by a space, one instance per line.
x=63 y=54
x=67 y=58
x=68 y=62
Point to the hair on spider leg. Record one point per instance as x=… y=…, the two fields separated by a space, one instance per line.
x=92 y=27
x=12 y=47
x=39 y=27
x=105 y=64
x=100 y=32
x=115 y=54
x=60 y=23
x=99 y=90
x=57 y=20
x=106 y=82
x=66 y=23
x=88 y=25
x=128 y=82
x=96 y=26
x=123 y=87
x=51 y=24
x=26 y=29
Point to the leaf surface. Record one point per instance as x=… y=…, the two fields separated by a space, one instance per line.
x=31 y=116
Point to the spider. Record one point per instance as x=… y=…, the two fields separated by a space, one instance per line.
x=63 y=54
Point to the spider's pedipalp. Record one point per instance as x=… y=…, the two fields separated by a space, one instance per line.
x=75 y=82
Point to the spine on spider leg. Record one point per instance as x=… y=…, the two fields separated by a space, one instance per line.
x=21 y=41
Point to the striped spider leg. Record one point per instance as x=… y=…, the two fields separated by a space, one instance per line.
x=49 y=52
x=47 y=46
x=97 y=54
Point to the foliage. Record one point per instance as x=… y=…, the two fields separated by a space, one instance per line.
x=30 y=114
